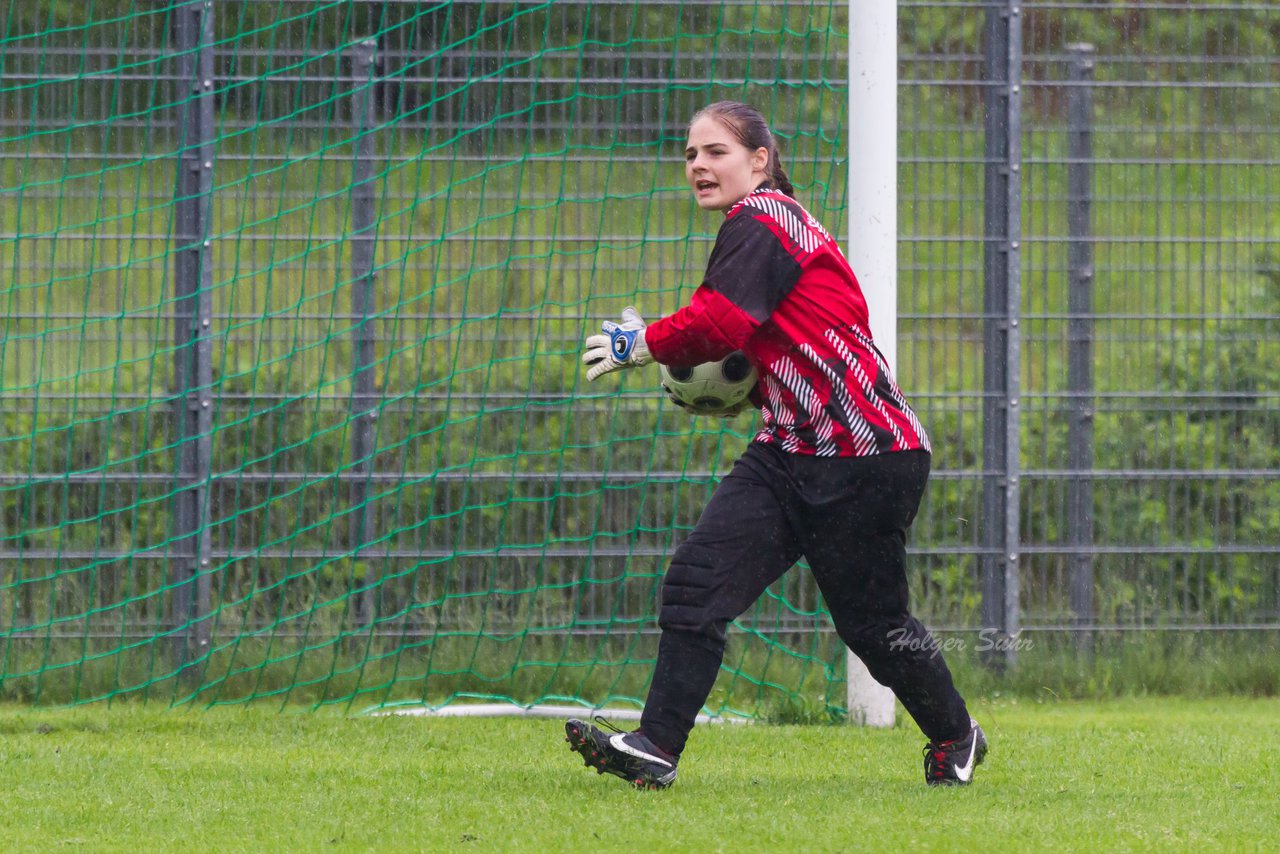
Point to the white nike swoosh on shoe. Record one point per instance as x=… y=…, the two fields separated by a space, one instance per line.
x=964 y=773
x=618 y=743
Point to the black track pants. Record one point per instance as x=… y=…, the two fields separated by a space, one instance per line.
x=848 y=517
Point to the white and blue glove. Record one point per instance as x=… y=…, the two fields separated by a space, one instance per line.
x=732 y=411
x=621 y=345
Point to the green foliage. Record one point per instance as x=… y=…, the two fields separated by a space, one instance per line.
x=1053 y=666
x=514 y=527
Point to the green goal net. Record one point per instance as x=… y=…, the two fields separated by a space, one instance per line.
x=294 y=294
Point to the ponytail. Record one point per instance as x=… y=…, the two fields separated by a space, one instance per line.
x=779 y=179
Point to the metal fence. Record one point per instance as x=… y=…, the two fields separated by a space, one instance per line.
x=1089 y=279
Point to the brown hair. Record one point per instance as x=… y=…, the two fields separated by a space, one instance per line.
x=749 y=126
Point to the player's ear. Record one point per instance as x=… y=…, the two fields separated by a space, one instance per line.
x=760 y=159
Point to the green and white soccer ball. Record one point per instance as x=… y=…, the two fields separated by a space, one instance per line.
x=710 y=387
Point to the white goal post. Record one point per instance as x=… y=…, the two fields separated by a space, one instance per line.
x=873 y=234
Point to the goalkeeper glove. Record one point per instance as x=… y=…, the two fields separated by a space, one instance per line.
x=731 y=411
x=620 y=346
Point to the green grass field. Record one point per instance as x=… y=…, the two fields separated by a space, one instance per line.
x=1133 y=774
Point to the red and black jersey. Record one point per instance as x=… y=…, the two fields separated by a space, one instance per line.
x=778 y=287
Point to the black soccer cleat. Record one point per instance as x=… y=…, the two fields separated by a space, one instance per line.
x=951 y=763
x=628 y=755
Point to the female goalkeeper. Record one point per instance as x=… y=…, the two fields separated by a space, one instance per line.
x=835 y=474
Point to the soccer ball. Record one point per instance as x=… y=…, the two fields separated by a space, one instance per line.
x=711 y=386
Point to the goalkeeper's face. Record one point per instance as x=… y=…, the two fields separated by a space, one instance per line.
x=719 y=168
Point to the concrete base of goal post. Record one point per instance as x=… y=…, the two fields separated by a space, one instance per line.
x=870 y=703
x=873 y=234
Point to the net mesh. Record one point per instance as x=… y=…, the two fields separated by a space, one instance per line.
x=294 y=300
x=294 y=292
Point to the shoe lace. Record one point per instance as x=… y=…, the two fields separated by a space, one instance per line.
x=607 y=724
x=935 y=756
x=610 y=725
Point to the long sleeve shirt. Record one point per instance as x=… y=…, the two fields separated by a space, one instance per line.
x=778 y=288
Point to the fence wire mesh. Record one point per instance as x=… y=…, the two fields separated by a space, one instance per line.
x=526 y=181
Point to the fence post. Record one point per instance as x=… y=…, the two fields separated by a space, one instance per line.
x=363 y=306
x=1080 y=334
x=1001 y=336
x=192 y=321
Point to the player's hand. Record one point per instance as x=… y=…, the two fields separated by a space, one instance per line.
x=620 y=345
x=733 y=411
x=725 y=412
